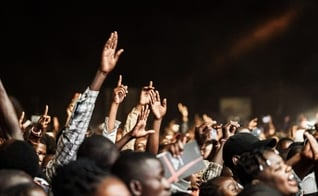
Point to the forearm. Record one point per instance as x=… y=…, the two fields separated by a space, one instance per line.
x=153 y=139
x=8 y=117
x=218 y=158
x=124 y=140
x=98 y=80
x=73 y=134
x=301 y=166
x=112 y=116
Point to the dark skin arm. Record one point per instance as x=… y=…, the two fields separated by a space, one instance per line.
x=109 y=60
x=138 y=130
x=304 y=161
x=159 y=110
x=120 y=93
x=8 y=119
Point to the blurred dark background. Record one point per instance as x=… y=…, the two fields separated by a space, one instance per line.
x=195 y=52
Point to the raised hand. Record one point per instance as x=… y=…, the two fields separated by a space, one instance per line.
x=158 y=109
x=183 y=109
x=208 y=119
x=44 y=119
x=310 y=150
x=144 y=95
x=110 y=56
x=252 y=124
x=203 y=133
x=120 y=91
x=140 y=128
x=230 y=128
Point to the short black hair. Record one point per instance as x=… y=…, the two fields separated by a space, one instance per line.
x=251 y=164
x=211 y=187
x=13 y=177
x=259 y=189
x=128 y=165
x=18 y=154
x=80 y=177
x=100 y=149
x=21 y=189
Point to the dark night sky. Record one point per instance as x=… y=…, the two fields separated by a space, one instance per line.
x=195 y=51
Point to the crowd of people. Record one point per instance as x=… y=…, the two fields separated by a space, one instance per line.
x=240 y=158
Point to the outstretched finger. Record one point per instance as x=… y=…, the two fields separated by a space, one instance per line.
x=21 y=117
x=164 y=102
x=115 y=40
x=46 y=110
x=119 y=80
x=108 y=43
x=313 y=142
x=150 y=132
x=157 y=95
x=152 y=96
x=118 y=53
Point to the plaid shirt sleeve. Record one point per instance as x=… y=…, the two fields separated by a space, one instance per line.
x=74 y=133
x=213 y=170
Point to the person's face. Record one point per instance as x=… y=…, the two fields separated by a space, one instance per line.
x=229 y=187
x=154 y=183
x=278 y=174
x=206 y=150
x=112 y=186
x=140 y=144
x=40 y=150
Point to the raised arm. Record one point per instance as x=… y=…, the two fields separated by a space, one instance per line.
x=158 y=109
x=109 y=60
x=8 y=119
x=111 y=125
x=139 y=129
x=39 y=129
x=183 y=109
x=74 y=132
x=132 y=117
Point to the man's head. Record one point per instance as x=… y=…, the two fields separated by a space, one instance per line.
x=17 y=154
x=240 y=143
x=100 y=149
x=13 y=177
x=221 y=185
x=84 y=177
x=143 y=173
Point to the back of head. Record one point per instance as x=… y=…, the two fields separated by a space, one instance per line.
x=100 y=149
x=26 y=189
x=80 y=177
x=20 y=155
x=12 y=177
x=240 y=143
x=283 y=145
x=219 y=186
x=211 y=187
x=294 y=148
x=128 y=165
x=259 y=189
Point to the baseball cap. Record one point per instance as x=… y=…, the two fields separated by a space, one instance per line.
x=243 y=142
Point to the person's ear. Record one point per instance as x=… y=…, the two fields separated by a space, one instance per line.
x=235 y=159
x=135 y=187
x=255 y=181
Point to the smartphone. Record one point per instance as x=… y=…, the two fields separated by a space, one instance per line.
x=266 y=119
x=214 y=134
